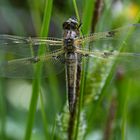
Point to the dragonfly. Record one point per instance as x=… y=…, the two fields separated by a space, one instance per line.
x=19 y=55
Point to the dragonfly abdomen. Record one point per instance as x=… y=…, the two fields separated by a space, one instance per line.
x=71 y=77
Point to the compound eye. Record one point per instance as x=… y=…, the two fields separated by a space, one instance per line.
x=66 y=25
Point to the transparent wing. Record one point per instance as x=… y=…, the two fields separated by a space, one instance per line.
x=8 y=39
x=100 y=64
x=131 y=60
x=104 y=55
x=25 y=67
x=106 y=52
x=109 y=35
x=24 y=47
x=108 y=45
x=19 y=55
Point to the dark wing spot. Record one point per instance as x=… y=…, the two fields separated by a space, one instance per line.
x=107 y=54
x=34 y=60
x=111 y=34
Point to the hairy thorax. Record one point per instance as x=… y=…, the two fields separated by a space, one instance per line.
x=69 y=37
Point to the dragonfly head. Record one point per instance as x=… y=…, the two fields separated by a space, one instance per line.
x=71 y=24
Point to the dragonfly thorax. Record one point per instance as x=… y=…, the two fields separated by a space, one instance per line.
x=71 y=31
x=69 y=45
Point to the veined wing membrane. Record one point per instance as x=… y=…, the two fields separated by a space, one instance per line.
x=24 y=67
x=15 y=46
x=106 y=54
x=115 y=36
x=6 y=39
x=131 y=60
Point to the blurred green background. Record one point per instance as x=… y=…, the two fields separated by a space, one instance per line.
x=111 y=91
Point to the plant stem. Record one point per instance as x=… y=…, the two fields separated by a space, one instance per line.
x=36 y=82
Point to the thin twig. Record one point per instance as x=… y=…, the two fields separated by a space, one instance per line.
x=110 y=119
x=97 y=13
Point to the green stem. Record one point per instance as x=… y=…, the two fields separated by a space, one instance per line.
x=36 y=82
x=76 y=10
x=45 y=124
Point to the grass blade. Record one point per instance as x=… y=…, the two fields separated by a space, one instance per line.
x=36 y=82
x=76 y=10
